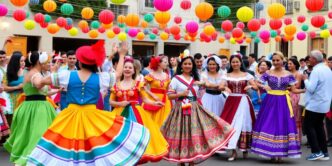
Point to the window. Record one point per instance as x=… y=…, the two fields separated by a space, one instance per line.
x=318 y=44
x=326 y=5
x=119 y=9
x=149 y=3
x=288 y=4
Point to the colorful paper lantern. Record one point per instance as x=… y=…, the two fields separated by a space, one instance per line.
x=301 y=36
x=152 y=36
x=221 y=39
x=232 y=41
x=254 y=25
x=253 y=34
x=68 y=27
x=275 y=24
x=325 y=34
x=101 y=29
x=314 y=5
x=317 y=21
x=19 y=15
x=148 y=17
x=237 y=32
x=273 y=33
x=277 y=39
x=116 y=30
x=93 y=33
x=47 y=18
x=3 y=10
x=140 y=36
x=132 y=32
x=83 y=24
x=86 y=30
x=69 y=21
x=262 y=21
x=224 y=11
x=162 y=17
x=312 y=34
x=177 y=37
x=185 y=4
x=155 y=30
x=288 y=21
x=248 y=40
x=245 y=14
x=87 y=13
x=257 y=40
x=163 y=36
x=163 y=5
x=240 y=25
x=118 y=2
x=204 y=11
x=227 y=25
x=67 y=9
x=144 y=24
x=122 y=36
x=276 y=10
x=192 y=27
x=301 y=19
x=107 y=26
x=29 y=25
x=39 y=18
x=132 y=19
x=323 y=27
x=53 y=28
x=19 y=3
x=264 y=34
x=121 y=19
x=175 y=30
x=259 y=6
x=43 y=24
x=329 y=14
x=73 y=31
x=49 y=6
x=61 y=22
x=192 y=34
x=106 y=16
x=33 y=2
x=110 y=34
x=95 y=24
x=304 y=27
x=209 y=30
x=290 y=30
x=177 y=20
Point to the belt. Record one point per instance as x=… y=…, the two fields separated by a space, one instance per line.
x=283 y=93
x=160 y=91
x=213 y=92
x=35 y=98
x=191 y=98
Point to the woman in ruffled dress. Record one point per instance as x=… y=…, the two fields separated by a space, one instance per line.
x=81 y=134
x=193 y=134
x=238 y=110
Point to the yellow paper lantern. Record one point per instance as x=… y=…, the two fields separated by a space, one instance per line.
x=162 y=17
x=132 y=19
x=276 y=10
x=248 y=40
x=87 y=13
x=73 y=31
x=110 y=34
x=232 y=41
x=290 y=30
x=289 y=37
x=121 y=19
x=325 y=34
x=144 y=24
x=204 y=11
x=29 y=24
x=49 y=6
x=209 y=30
x=221 y=39
x=83 y=24
x=164 y=36
x=122 y=36
x=53 y=28
x=93 y=33
x=245 y=14
x=140 y=36
x=107 y=26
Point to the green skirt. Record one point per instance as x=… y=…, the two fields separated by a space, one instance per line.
x=31 y=119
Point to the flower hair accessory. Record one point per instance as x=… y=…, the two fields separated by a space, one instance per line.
x=43 y=57
x=185 y=54
x=128 y=59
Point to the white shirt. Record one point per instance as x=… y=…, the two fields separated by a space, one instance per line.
x=253 y=66
x=318 y=94
x=301 y=69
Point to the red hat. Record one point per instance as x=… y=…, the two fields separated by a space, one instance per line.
x=92 y=55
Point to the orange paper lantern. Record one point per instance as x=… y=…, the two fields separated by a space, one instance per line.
x=132 y=20
x=19 y=3
x=204 y=11
x=93 y=33
x=277 y=39
x=110 y=34
x=164 y=36
x=162 y=17
x=53 y=28
x=290 y=30
x=107 y=26
x=144 y=24
x=49 y=6
x=276 y=10
x=83 y=24
x=175 y=30
x=209 y=30
x=87 y=13
x=248 y=40
x=140 y=36
x=121 y=19
x=221 y=39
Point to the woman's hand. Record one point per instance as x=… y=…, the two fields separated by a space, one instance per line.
x=228 y=90
x=248 y=87
x=158 y=103
x=267 y=88
x=123 y=103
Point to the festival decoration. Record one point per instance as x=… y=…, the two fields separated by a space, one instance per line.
x=19 y=15
x=264 y=34
x=254 y=25
x=87 y=13
x=132 y=20
x=30 y=25
x=140 y=36
x=248 y=40
x=83 y=24
x=227 y=25
x=325 y=34
x=221 y=39
x=185 y=4
x=144 y=24
x=34 y=2
x=68 y=27
x=273 y=33
x=177 y=20
x=53 y=28
x=245 y=14
x=175 y=30
x=43 y=24
x=278 y=39
x=121 y=19
x=163 y=36
x=237 y=32
x=329 y=14
x=192 y=27
x=301 y=19
x=101 y=29
x=317 y=21
x=132 y=32
x=118 y=2
x=47 y=18
x=19 y=3
x=259 y=6
x=110 y=34
x=122 y=36
x=314 y=5
x=3 y=10
x=148 y=17
x=301 y=36
x=288 y=21
x=262 y=21
x=61 y=22
x=240 y=25
x=275 y=24
x=290 y=30
x=209 y=30
x=276 y=10
x=107 y=26
x=67 y=9
x=93 y=33
x=86 y=30
x=162 y=17
x=204 y=11
x=73 y=31
x=312 y=34
x=49 y=6
x=253 y=34
x=304 y=27
x=177 y=37
x=69 y=21
x=39 y=18
x=224 y=11
x=163 y=5
x=152 y=36
x=106 y=16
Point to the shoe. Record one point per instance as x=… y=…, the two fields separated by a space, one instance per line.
x=326 y=157
x=315 y=156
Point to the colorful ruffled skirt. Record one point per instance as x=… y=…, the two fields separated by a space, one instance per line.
x=31 y=119
x=84 y=135
x=4 y=127
x=158 y=146
x=160 y=116
x=275 y=133
x=196 y=136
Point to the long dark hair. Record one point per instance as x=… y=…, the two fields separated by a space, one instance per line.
x=92 y=68
x=295 y=62
x=14 y=66
x=194 y=72
x=214 y=60
x=241 y=61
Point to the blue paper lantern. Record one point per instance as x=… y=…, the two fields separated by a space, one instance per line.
x=259 y=6
x=34 y=2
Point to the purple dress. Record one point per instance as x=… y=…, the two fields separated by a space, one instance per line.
x=275 y=133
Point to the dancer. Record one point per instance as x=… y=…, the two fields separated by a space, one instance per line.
x=157 y=82
x=193 y=133
x=275 y=133
x=213 y=99
x=238 y=110
x=82 y=134
x=125 y=101
x=4 y=127
x=32 y=117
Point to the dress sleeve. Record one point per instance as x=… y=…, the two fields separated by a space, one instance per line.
x=141 y=90
x=148 y=78
x=173 y=86
x=264 y=78
x=292 y=80
x=250 y=77
x=61 y=79
x=113 y=79
x=113 y=93
x=104 y=81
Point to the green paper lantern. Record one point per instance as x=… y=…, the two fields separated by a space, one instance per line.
x=29 y=24
x=323 y=27
x=95 y=24
x=257 y=40
x=47 y=18
x=121 y=25
x=148 y=17
x=305 y=27
x=67 y=9
x=27 y=14
x=224 y=11
x=118 y=2
x=273 y=33
x=253 y=34
x=126 y=29
x=152 y=36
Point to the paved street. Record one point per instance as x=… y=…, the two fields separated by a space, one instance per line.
x=218 y=160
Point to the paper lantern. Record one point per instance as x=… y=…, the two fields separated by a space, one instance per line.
x=253 y=34
x=53 y=28
x=275 y=24
x=95 y=24
x=122 y=36
x=101 y=30
x=209 y=30
x=192 y=34
x=177 y=37
x=162 y=17
x=288 y=21
x=208 y=39
x=33 y=2
x=301 y=36
x=163 y=5
x=175 y=30
x=276 y=10
x=288 y=38
x=73 y=31
x=301 y=19
x=19 y=15
x=83 y=24
x=254 y=25
x=3 y=10
x=221 y=39
x=140 y=36
x=227 y=25
x=68 y=27
x=314 y=5
x=237 y=32
x=110 y=34
x=290 y=30
x=232 y=41
x=240 y=25
x=121 y=19
x=177 y=20
x=185 y=4
x=43 y=24
x=148 y=17
x=132 y=32
x=266 y=41
x=118 y=2
x=29 y=25
x=39 y=18
x=273 y=33
x=93 y=34
x=67 y=9
x=69 y=21
x=49 y=6
x=331 y=31
x=324 y=27
x=317 y=21
x=116 y=30
x=204 y=11
x=312 y=34
x=214 y=36
x=325 y=34
x=329 y=14
x=163 y=36
x=257 y=40
x=202 y=35
x=152 y=36
x=61 y=22
x=47 y=18
x=245 y=14
x=304 y=27
x=259 y=6
x=155 y=30
x=106 y=16
x=264 y=34
x=86 y=30
x=144 y=24
x=19 y=3
x=248 y=40
x=192 y=27
x=107 y=26
x=262 y=21
x=87 y=13
x=277 y=39
x=224 y=11
x=132 y=19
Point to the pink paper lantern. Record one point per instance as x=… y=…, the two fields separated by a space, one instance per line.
x=214 y=36
x=85 y=29
x=228 y=36
x=3 y=10
x=132 y=32
x=192 y=27
x=61 y=22
x=254 y=25
x=262 y=21
x=240 y=25
x=155 y=31
x=240 y=41
x=177 y=37
x=163 y=5
x=312 y=34
x=329 y=14
x=237 y=32
x=19 y=15
x=116 y=30
x=177 y=20
x=331 y=31
x=106 y=16
x=167 y=30
x=278 y=31
x=264 y=35
x=101 y=30
x=301 y=36
x=317 y=21
x=227 y=25
x=185 y=4
x=288 y=21
x=301 y=19
x=68 y=27
x=39 y=18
